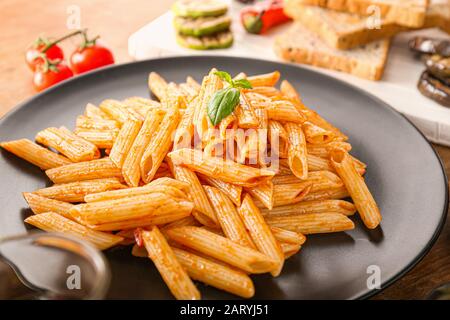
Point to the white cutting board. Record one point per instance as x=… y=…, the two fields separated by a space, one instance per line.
x=397 y=88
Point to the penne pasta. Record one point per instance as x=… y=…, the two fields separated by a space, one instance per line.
x=168 y=265
x=323 y=150
x=85 y=122
x=264 y=192
x=157 y=85
x=312 y=223
x=64 y=141
x=129 y=208
x=203 y=210
x=318 y=206
x=328 y=194
x=102 y=139
x=233 y=191
x=222 y=249
x=287 y=236
x=289 y=91
x=357 y=188
x=297 y=153
x=218 y=275
x=185 y=130
x=117 y=111
x=245 y=114
x=160 y=144
x=53 y=222
x=261 y=234
x=284 y=111
x=228 y=217
x=226 y=170
x=39 y=204
x=35 y=154
x=93 y=112
x=315 y=134
x=76 y=191
x=262 y=80
x=278 y=138
x=88 y=170
x=124 y=141
x=284 y=194
x=290 y=249
x=131 y=166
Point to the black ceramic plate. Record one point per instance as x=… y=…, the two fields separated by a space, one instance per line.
x=404 y=174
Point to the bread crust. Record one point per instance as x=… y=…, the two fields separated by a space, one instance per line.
x=408 y=13
x=292 y=49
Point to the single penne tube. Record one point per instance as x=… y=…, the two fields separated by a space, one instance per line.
x=157 y=85
x=53 y=222
x=146 y=222
x=312 y=223
x=96 y=124
x=315 y=118
x=263 y=118
x=40 y=205
x=264 y=80
x=278 y=136
x=170 y=182
x=124 y=141
x=136 y=191
x=284 y=194
x=87 y=170
x=287 y=236
x=315 y=134
x=173 y=274
x=136 y=102
x=316 y=163
x=264 y=193
x=35 y=154
x=318 y=206
x=185 y=130
x=297 y=153
x=228 y=217
x=284 y=111
x=357 y=188
x=102 y=139
x=203 y=211
x=233 y=191
x=260 y=233
x=288 y=90
x=321 y=180
x=225 y=170
x=289 y=249
x=245 y=114
x=76 y=191
x=210 y=86
x=64 y=141
x=218 y=275
x=129 y=208
x=93 y=112
x=223 y=249
x=160 y=143
x=116 y=111
x=131 y=166
x=328 y=194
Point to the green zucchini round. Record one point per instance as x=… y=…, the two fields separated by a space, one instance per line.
x=218 y=41
x=199 y=8
x=201 y=26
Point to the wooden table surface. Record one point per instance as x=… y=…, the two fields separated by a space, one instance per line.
x=22 y=21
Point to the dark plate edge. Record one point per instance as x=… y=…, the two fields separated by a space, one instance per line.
x=372 y=292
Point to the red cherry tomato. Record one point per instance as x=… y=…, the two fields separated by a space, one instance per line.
x=90 y=57
x=44 y=79
x=32 y=54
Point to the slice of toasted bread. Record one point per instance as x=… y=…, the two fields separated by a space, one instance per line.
x=438 y=15
x=341 y=30
x=300 y=45
x=409 y=13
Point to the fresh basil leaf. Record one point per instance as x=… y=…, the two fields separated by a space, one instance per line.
x=242 y=83
x=225 y=76
x=222 y=104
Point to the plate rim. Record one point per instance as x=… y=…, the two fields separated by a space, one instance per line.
x=419 y=257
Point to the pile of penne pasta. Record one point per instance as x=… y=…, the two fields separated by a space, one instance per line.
x=157 y=175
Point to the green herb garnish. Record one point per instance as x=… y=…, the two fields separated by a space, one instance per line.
x=225 y=101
